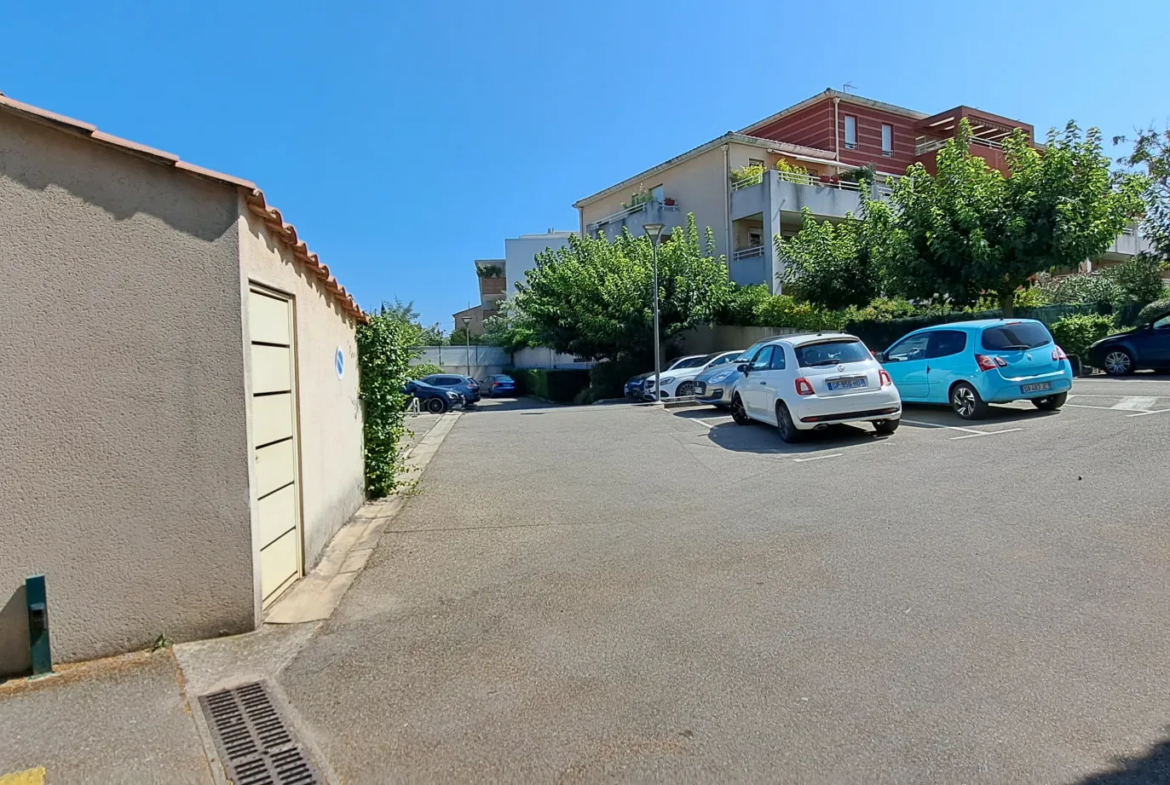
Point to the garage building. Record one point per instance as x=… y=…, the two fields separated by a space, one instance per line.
x=181 y=429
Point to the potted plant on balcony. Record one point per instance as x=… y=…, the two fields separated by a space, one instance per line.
x=668 y=201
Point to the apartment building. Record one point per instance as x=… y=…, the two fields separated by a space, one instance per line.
x=498 y=277
x=806 y=156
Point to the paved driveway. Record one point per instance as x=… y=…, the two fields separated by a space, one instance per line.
x=624 y=594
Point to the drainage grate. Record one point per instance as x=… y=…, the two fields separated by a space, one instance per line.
x=255 y=743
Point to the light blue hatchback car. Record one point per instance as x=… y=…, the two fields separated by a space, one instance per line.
x=972 y=364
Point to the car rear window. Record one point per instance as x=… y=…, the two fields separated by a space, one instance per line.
x=831 y=353
x=1022 y=335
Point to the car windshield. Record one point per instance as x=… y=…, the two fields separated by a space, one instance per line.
x=831 y=353
x=1018 y=336
x=691 y=362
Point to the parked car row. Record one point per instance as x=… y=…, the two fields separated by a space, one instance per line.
x=809 y=381
x=441 y=392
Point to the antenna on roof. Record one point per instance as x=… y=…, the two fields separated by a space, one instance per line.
x=847 y=87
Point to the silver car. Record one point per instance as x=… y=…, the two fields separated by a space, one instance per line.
x=714 y=386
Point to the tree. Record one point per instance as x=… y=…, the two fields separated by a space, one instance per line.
x=594 y=299
x=459 y=337
x=509 y=329
x=414 y=333
x=829 y=264
x=1151 y=149
x=969 y=230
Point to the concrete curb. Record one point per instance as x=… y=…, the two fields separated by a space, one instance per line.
x=318 y=594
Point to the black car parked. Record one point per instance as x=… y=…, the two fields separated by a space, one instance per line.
x=1146 y=346
x=435 y=400
x=464 y=385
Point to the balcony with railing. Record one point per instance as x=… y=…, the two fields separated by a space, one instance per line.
x=793 y=191
x=634 y=217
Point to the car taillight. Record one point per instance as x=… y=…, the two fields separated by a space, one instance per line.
x=1058 y=354
x=885 y=379
x=986 y=363
x=803 y=387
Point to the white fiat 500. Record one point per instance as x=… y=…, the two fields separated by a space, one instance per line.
x=801 y=383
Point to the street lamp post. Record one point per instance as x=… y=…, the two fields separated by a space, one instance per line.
x=467 y=335
x=654 y=232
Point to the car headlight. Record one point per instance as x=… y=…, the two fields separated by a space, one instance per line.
x=719 y=377
x=453 y=395
x=667 y=379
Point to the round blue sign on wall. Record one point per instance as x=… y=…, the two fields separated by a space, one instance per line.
x=339 y=363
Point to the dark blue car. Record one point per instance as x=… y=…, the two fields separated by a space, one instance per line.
x=435 y=400
x=464 y=385
x=501 y=384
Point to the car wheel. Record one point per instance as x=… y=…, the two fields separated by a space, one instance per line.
x=685 y=389
x=788 y=430
x=1051 y=403
x=1118 y=363
x=738 y=413
x=436 y=406
x=966 y=402
x=886 y=427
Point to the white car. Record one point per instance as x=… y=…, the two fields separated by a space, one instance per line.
x=801 y=383
x=679 y=382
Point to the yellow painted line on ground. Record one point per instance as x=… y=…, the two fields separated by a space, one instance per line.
x=27 y=777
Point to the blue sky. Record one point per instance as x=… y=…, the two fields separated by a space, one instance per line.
x=405 y=140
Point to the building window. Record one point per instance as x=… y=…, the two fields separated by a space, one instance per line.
x=887 y=140
x=850 y=132
x=657 y=193
x=755 y=162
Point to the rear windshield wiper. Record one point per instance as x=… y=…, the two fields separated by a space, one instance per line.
x=826 y=362
x=1014 y=346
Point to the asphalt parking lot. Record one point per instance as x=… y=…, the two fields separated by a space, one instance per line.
x=627 y=594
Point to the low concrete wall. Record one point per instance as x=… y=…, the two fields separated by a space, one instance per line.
x=707 y=339
x=483 y=361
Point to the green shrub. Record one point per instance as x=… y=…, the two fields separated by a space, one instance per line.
x=423 y=370
x=1139 y=277
x=384 y=357
x=608 y=379
x=559 y=384
x=782 y=310
x=1082 y=289
x=747 y=174
x=1075 y=334
x=1153 y=310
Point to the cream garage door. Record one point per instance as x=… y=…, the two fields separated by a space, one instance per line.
x=274 y=436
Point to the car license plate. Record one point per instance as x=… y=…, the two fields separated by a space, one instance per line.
x=1039 y=387
x=847 y=384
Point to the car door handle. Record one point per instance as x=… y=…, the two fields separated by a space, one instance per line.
x=763 y=382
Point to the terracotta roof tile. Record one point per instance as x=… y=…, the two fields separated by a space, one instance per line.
x=284 y=233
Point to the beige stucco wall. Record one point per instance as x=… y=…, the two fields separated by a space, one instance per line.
x=698 y=185
x=123 y=460
x=330 y=417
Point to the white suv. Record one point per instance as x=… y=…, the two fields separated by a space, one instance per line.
x=806 y=382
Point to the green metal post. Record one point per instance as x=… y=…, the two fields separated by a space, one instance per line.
x=38 y=624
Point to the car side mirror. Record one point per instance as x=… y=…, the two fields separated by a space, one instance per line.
x=743 y=368
x=881 y=357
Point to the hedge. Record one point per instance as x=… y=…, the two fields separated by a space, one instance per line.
x=880 y=335
x=559 y=385
x=1075 y=334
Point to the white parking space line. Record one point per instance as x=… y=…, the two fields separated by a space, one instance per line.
x=1118 y=381
x=939 y=425
x=1087 y=406
x=1145 y=414
x=817 y=458
x=977 y=434
x=1136 y=403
